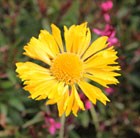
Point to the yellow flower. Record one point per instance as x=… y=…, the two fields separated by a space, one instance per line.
x=68 y=68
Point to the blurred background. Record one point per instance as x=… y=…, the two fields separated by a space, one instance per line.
x=21 y=117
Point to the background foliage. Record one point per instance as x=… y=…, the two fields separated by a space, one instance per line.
x=21 y=117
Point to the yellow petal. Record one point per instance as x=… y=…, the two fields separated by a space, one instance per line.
x=57 y=91
x=102 y=77
x=49 y=42
x=102 y=58
x=29 y=70
x=111 y=68
x=93 y=92
x=51 y=101
x=41 y=89
x=102 y=81
x=68 y=33
x=36 y=50
x=100 y=67
x=41 y=97
x=77 y=98
x=54 y=91
x=57 y=98
x=96 y=46
x=60 y=104
x=57 y=36
x=75 y=108
x=74 y=102
x=77 y=38
x=37 y=80
x=84 y=42
x=70 y=103
x=102 y=74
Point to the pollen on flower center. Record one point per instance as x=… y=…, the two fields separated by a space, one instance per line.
x=67 y=67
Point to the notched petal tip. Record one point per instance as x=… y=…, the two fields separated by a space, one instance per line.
x=84 y=24
x=53 y=26
x=75 y=114
x=60 y=114
x=104 y=37
x=18 y=64
x=105 y=102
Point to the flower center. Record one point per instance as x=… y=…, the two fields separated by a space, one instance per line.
x=67 y=67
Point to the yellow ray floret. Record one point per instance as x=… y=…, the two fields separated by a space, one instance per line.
x=68 y=68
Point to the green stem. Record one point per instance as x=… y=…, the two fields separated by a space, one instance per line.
x=62 y=121
x=95 y=120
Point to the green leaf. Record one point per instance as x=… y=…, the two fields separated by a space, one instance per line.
x=73 y=134
x=14 y=117
x=17 y=104
x=12 y=76
x=6 y=84
x=134 y=79
x=132 y=46
x=84 y=118
x=3 y=109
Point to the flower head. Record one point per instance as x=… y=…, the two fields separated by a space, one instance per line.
x=69 y=68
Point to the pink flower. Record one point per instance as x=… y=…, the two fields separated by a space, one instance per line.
x=109 y=91
x=87 y=104
x=106 y=6
x=109 y=31
x=51 y=124
x=106 y=17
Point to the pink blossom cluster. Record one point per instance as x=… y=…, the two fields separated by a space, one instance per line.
x=106 y=7
x=51 y=124
x=108 y=30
